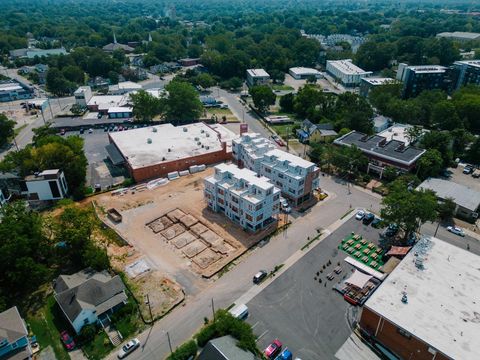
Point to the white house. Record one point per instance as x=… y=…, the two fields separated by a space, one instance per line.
x=244 y=197
x=295 y=177
x=83 y=95
x=257 y=77
x=47 y=185
x=89 y=297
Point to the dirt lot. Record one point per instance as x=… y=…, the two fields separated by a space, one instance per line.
x=172 y=227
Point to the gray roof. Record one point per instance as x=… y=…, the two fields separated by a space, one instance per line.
x=116 y=46
x=463 y=196
x=114 y=155
x=12 y=326
x=377 y=145
x=224 y=348
x=326 y=129
x=88 y=289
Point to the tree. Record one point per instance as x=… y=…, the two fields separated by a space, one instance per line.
x=146 y=106
x=286 y=102
x=409 y=209
x=430 y=164
x=204 y=80
x=445 y=117
x=56 y=82
x=183 y=103
x=374 y=56
x=74 y=74
x=473 y=153
x=6 y=129
x=413 y=133
x=312 y=79
x=77 y=109
x=25 y=249
x=441 y=141
x=262 y=97
x=446 y=209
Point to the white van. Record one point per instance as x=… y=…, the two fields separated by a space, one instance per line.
x=239 y=311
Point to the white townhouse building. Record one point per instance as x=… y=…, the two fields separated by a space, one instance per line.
x=294 y=176
x=247 y=199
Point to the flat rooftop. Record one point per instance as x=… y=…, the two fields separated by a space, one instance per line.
x=460 y=34
x=245 y=174
x=13 y=86
x=257 y=73
x=379 y=146
x=106 y=101
x=304 y=71
x=443 y=306
x=464 y=196
x=475 y=63
x=397 y=132
x=378 y=81
x=168 y=143
x=292 y=159
x=428 y=68
x=347 y=67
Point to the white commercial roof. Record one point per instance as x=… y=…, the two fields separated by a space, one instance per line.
x=304 y=71
x=443 y=297
x=168 y=143
x=247 y=175
x=257 y=73
x=475 y=63
x=397 y=132
x=108 y=101
x=293 y=159
x=10 y=86
x=464 y=196
x=460 y=34
x=378 y=81
x=347 y=67
x=119 y=109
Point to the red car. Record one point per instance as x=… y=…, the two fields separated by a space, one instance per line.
x=273 y=349
x=67 y=340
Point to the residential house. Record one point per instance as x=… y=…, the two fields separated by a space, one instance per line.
x=310 y=132
x=46 y=185
x=224 y=348
x=257 y=77
x=245 y=198
x=89 y=297
x=14 y=342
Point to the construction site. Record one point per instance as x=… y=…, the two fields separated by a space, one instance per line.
x=174 y=232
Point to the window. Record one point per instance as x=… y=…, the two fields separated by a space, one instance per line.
x=249 y=218
x=267 y=170
x=301 y=182
x=220 y=201
x=291 y=190
x=235 y=200
x=269 y=192
x=280 y=176
x=221 y=192
x=259 y=217
x=276 y=197
x=258 y=207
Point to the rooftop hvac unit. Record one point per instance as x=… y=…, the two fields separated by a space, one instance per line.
x=207 y=135
x=169 y=149
x=149 y=141
x=207 y=147
x=199 y=143
x=196 y=139
x=202 y=131
x=185 y=129
x=154 y=129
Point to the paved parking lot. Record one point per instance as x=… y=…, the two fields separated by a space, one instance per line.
x=459 y=177
x=310 y=318
x=100 y=169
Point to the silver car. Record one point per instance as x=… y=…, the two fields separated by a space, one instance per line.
x=128 y=348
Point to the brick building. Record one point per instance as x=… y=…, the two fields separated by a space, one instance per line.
x=427 y=308
x=155 y=151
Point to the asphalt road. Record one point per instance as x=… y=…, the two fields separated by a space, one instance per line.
x=308 y=316
x=183 y=322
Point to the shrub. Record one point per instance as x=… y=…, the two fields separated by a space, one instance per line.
x=185 y=351
x=206 y=334
x=87 y=333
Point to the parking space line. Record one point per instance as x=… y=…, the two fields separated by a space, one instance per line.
x=262 y=335
x=253 y=326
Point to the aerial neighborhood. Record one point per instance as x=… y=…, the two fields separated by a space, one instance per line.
x=248 y=180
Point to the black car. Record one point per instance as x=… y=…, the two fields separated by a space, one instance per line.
x=82 y=130
x=257 y=279
x=391 y=231
x=105 y=129
x=367 y=219
x=376 y=223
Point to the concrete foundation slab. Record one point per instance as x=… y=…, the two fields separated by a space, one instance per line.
x=172 y=231
x=206 y=258
x=194 y=248
x=183 y=239
x=198 y=228
x=188 y=221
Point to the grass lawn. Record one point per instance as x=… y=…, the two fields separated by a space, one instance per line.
x=281 y=87
x=46 y=324
x=20 y=128
x=283 y=130
x=99 y=347
x=221 y=112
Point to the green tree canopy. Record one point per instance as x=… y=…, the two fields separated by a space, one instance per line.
x=430 y=164
x=6 y=129
x=262 y=97
x=146 y=106
x=409 y=209
x=183 y=103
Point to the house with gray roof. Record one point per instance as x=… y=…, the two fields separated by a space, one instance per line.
x=315 y=132
x=466 y=198
x=14 y=343
x=224 y=348
x=89 y=297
